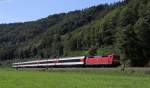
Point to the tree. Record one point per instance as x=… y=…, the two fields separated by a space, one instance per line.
x=92 y=52
x=130 y=47
x=143 y=30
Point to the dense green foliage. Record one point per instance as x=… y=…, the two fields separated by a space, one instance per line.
x=73 y=79
x=123 y=26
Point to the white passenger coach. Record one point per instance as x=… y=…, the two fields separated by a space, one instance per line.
x=51 y=62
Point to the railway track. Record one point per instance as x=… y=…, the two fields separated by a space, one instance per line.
x=129 y=69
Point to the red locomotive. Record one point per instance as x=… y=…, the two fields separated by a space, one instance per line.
x=110 y=60
x=106 y=60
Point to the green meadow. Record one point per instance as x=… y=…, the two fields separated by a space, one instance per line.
x=10 y=78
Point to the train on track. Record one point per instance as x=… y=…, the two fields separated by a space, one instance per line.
x=80 y=61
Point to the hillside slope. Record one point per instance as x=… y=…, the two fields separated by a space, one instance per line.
x=123 y=26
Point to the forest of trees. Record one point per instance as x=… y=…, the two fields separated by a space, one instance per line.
x=124 y=26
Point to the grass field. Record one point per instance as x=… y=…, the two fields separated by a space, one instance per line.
x=73 y=79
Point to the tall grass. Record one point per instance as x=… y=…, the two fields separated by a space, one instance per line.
x=72 y=79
